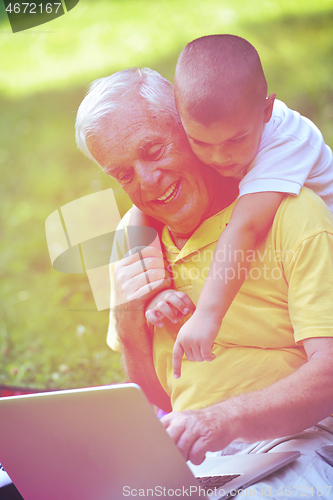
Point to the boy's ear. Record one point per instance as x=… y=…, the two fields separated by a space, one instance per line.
x=268 y=109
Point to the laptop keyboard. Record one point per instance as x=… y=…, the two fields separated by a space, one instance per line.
x=211 y=482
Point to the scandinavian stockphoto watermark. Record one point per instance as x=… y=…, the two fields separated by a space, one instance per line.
x=26 y=15
x=84 y=236
x=229 y=264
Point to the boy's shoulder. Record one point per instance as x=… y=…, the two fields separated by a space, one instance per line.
x=277 y=124
x=288 y=125
x=281 y=111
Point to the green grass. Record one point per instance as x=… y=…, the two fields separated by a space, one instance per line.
x=51 y=334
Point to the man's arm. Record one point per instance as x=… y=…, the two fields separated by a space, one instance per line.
x=284 y=408
x=138 y=359
x=132 y=292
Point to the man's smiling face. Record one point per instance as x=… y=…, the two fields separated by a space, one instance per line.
x=153 y=163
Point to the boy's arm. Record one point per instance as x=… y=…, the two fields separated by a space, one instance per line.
x=251 y=219
x=139 y=218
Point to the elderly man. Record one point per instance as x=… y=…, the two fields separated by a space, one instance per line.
x=273 y=373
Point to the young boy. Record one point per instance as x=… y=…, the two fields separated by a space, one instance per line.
x=231 y=125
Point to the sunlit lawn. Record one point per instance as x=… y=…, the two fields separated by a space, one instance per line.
x=51 y=334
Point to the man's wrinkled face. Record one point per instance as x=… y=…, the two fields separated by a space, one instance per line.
x=154 y=164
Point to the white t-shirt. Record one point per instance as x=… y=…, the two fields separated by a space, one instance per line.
x=292 y=153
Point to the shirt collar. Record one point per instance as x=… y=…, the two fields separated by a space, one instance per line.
x=208 y=232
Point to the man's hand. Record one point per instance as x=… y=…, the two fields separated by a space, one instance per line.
x=284 y=408
x=197 y=431
x=169 y=304
x=195 y=339
x=140 y=275
x=137 y=279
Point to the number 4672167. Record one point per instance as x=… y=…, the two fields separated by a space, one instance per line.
x=32 y=8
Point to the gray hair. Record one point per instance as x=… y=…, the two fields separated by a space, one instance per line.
x=104 y=98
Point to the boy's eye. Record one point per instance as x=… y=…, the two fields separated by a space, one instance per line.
x=199 y=143
x=237 y=140
x=155 y=152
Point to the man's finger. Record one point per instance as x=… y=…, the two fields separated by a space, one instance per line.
x=197 y=451
x=139 y=253
x=185 y=431
x=150 y=269
x=147 y=291
x=174 y=424
x=149 y=281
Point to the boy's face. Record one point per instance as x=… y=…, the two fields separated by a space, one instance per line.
x=230 y=145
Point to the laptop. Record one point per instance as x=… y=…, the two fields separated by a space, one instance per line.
x=106 y=443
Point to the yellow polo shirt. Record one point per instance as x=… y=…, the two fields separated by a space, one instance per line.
x=287 y=297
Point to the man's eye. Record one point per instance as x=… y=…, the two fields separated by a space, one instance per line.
x=125 y=177
x=155 y=152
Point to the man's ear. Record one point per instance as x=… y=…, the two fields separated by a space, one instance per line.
x=268 y=109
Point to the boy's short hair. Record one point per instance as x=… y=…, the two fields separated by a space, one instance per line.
x=212 y=74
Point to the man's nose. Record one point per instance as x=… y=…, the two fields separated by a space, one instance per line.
x=149 y=175
x=220 y=155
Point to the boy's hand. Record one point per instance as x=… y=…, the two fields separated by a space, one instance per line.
x=195 y=339
x=169 y=304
